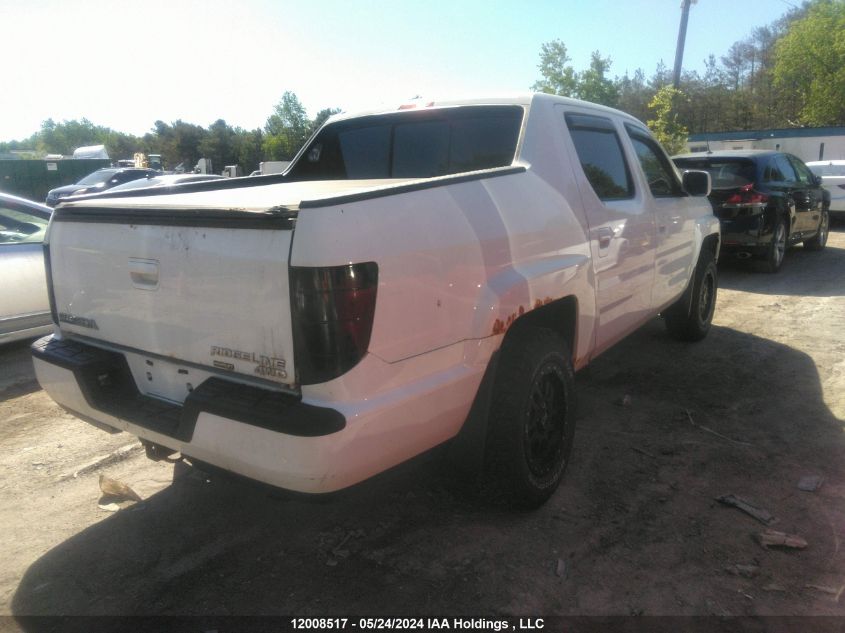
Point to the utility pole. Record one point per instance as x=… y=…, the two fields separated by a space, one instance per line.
x=682 y=36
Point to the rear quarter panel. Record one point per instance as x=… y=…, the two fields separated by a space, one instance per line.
x=457 y=262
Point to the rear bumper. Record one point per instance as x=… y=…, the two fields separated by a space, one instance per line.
x=745 y=234
x=268 y=436
x=106 y=383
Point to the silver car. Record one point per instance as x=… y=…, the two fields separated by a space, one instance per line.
x=832 y=173
x=24 y=307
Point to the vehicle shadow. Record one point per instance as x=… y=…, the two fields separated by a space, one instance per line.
x=633 y=529
x=17 y=376
x=804 y=273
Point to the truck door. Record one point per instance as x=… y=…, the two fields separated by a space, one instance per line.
x=621 y=226
x=674 y=213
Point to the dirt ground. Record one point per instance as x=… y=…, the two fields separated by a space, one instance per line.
x=635 y=529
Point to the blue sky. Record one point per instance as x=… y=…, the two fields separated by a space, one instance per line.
x=126 y=64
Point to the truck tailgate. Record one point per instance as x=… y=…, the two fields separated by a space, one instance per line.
x=176 y=288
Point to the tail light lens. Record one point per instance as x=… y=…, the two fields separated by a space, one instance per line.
x=746 y=195
x=332 y=310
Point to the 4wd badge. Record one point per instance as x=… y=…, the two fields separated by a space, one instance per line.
x=266 y=366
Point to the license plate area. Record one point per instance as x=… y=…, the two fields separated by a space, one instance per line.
x=164 y=379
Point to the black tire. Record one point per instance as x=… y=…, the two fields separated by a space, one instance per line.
x=532 y=418
x=690 y=318
x=819 y=240
x=773 y=259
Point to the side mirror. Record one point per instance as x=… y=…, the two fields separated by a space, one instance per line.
x=696 y=183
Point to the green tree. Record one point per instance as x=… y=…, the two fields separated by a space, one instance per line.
x=27 y=145
x=64 y=137
x=249 y=146
x=218 y=144
x=593 y=84
x=286 y=129
x=121 y=145
x=662 y=77
x=810 y=60
x=665 y=125
x=559 y=77
x=178 y=143
x=321 y=118
x=634 y=95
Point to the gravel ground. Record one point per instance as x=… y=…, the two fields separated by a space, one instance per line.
x=635 y=529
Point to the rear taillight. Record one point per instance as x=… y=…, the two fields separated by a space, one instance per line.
x=746 y=195
x=332 y=311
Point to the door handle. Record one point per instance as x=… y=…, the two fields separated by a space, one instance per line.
x=605 y=234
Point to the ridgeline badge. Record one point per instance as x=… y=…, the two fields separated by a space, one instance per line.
x=267 y=366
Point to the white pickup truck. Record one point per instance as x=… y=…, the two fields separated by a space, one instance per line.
x=417 y=275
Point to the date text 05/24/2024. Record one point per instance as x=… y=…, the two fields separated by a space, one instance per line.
x=418 y=624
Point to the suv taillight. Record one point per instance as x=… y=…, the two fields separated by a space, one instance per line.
x=332 y=312
x=747 y=195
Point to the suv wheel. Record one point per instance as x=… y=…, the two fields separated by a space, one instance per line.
x=773 y=259
x=532 y=418
x=819 y=240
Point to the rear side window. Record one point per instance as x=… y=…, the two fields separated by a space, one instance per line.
x=413 y=144
x=784 y=168
x=772 y=173
x=805 y=176
x=600 y=154
x=727 y=173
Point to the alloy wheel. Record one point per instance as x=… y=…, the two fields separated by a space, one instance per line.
x=705 y=301
x=545 y=422
x=824 y=228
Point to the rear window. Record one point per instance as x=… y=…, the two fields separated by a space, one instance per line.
x=724 y=173
x=97 y=177
x=414 y=144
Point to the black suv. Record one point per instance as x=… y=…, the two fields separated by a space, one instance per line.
x=99 y=180
x=765 y=202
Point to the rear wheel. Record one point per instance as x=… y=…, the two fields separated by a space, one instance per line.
x=773 y=258
x=819 y=240
x=532 y=418
x=690 y=318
